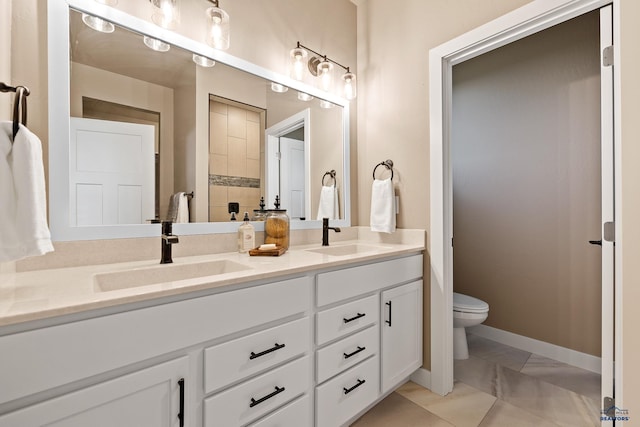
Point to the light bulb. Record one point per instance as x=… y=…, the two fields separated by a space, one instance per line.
x=325 y=69
x=167 y=14
x=218 y=33
x=98 y=24
x=350 y=89
x=298 y=62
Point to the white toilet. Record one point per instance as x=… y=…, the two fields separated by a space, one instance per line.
x=467 y=311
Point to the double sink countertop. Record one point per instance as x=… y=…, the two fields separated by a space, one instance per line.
x=43 y=294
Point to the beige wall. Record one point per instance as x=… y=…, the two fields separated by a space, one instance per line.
x=629 y=242
x=526 y=184
x=393 y=72
x=6 y=100
x=394 y=39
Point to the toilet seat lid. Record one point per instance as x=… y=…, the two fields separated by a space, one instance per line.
x=462 y=302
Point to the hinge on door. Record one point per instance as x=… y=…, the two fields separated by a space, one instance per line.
x=607 y=56
x=609 y=406
x=279 y=155
x=609 y=231
x=452 y=242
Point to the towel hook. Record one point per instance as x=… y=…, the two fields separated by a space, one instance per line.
x=19 y=101
x=388 y=164
x=332 y=174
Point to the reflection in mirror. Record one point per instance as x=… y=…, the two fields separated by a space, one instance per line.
x=149 y=125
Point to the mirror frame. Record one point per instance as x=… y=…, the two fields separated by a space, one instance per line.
x=59 y=114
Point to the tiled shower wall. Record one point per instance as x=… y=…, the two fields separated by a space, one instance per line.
x=234 y=159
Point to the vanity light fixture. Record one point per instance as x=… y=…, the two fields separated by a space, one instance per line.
x=304 y=96
x=326 y=104
x=155 y=44
x=321 y=66
x=166 y=13
x=218 y=28
x=277 y=87
x=98 y=24
x=203 y=61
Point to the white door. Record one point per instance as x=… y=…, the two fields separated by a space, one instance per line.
x=111 y=172
x=607 y=158
x=292 y=177
x=151 y=397
x=401 y=324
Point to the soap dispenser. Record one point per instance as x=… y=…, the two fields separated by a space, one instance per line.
x=246 y=235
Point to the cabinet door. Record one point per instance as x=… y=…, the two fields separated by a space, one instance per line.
x=401 y=333
x=150 y=397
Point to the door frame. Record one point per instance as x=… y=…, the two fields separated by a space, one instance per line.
x=529 y=19
x=272 y=168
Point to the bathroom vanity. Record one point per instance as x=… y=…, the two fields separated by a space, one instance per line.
x=314 y=337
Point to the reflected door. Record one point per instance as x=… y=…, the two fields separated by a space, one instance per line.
x=292 y=181
x=111 y=171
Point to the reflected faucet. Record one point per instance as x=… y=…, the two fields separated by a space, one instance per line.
x=167 y=239
x=325 y=231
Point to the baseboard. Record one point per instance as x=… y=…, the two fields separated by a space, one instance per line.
x=422 y=377
x=552 y=351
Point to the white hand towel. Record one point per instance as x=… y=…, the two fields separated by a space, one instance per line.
x=23 y=216
x=328 y=206
x=178 y=207
x=383 y=211
x=183 y=208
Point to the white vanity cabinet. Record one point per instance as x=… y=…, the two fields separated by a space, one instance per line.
x=401 y=333
x=359 y=356
x=150 y=397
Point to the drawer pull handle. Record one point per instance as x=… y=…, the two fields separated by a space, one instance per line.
x=388 y=321
x=349 y=390
x=262 y=353
x=359 y=315
x=255 y=402
x=346 y=356
x=181 y=413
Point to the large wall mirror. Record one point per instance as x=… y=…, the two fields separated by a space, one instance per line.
x=131 y=128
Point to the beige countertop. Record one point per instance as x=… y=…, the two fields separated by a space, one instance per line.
x=43 y=294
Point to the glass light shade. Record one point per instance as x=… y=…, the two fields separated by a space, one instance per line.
x=218 y=32
x=304 y=96
x=277 y=87
x=166 y=13
x=325 y=74
x=98 y=24
x=298 y=62
x=203 y=61
x=155 y=44
x=325 y=104
x=350 y=88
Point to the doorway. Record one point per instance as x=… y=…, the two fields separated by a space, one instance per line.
x=526 y=168
x=528 y=20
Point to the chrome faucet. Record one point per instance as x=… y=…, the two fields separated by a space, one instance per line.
x=167 y=239
x=325 y=231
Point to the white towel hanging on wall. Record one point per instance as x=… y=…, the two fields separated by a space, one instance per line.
x=328 y=206
x=383 y=206
x=23 y=213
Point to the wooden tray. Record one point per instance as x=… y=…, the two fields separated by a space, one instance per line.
x=279 y=250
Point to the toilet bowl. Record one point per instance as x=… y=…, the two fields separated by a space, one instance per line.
x=467 y=311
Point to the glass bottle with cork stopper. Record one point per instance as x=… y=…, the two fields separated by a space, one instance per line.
x=277 y=226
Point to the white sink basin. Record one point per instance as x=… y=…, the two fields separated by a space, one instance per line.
x=343 y=250
x=164 y=273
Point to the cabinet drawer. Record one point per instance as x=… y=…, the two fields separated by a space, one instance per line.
x=232 y=361
x=345 y=353
x=343 y=397
x=334 y=286
x=295 y=414
x=339 y=321
x=250 y=400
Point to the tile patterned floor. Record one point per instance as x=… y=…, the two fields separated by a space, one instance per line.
x=498 y=386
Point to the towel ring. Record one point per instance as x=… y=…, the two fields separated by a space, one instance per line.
x=332 y=174
x=388 y=164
